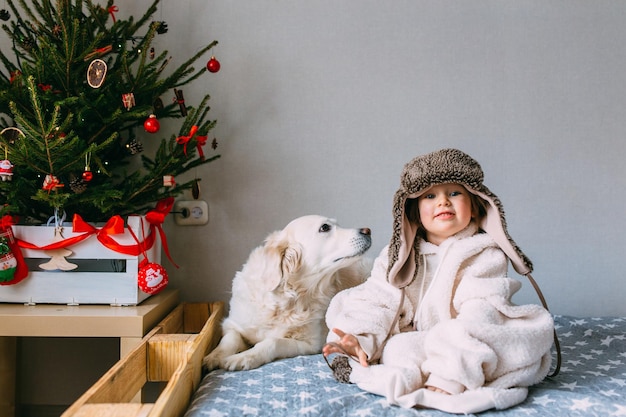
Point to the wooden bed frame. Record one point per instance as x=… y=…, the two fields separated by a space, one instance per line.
x=172 y=352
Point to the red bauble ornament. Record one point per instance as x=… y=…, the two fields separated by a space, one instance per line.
x=152 y=278
x=213 y=65
x=87 y=175
x=151 y=125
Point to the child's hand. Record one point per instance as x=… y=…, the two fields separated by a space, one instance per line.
x=347 y=344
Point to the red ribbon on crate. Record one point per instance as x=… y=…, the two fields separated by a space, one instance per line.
x=115 y=226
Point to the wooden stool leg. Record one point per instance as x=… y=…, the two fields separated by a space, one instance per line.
x=8 y=364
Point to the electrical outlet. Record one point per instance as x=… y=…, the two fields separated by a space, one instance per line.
x=191 y=212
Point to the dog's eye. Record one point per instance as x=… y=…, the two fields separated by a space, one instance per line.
x=325 y=228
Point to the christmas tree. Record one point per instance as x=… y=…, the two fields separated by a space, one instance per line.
x=78 y=85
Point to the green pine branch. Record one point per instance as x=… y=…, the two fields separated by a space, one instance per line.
x=68 y=124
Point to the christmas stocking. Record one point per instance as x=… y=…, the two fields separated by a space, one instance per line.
x=13 y=268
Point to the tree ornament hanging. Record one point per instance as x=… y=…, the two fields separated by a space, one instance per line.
x=5 y=15
x=151 y=278
x=161 y=27
x=157 y=104
x=6 y=170
x=134 y=146
x=195 y=189
x=56 y=30
x=51 y=182
x=128 y=100
x=151 y=125
x=78 y=185
x=213 y=65
x=87 y=174
x=11 y=134
x=180 y=99
x=96 y=73
x=169 y=181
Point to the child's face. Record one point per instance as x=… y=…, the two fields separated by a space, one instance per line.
x=444 y=210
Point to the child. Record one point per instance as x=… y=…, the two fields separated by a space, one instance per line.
x=434 y=325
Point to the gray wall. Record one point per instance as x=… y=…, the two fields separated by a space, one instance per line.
x=320 y=103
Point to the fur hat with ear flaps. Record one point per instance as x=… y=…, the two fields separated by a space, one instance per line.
x=419 y=175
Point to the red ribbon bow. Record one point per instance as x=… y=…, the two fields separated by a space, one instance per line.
x=183 y=140
x=200 y=141
x=112 y=10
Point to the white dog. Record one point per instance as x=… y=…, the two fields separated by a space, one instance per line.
x=279 y=298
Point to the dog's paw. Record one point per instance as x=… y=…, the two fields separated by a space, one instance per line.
x=242 y=362
x=212 y=361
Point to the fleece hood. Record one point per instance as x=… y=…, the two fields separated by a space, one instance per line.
x=419 y=175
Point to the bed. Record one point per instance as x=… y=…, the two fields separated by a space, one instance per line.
x=592 y=382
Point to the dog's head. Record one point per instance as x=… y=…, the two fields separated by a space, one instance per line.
x=312 y=246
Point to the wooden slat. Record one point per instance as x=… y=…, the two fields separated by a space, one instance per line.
x=174 y=399
x=196 y=314
x=160 y=356
x=173 y=323
x=120 y=383
x=165 y=353
x=176 y=396
x=114 y=410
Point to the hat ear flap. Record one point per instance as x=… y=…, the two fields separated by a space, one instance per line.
x=281 y=259
x=401 y=253
x=494 y=225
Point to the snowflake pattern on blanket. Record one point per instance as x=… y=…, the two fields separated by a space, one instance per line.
x=592 y=382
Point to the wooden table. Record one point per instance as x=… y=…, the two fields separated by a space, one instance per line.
x=129 y=324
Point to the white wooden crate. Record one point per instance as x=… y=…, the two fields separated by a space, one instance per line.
x=103 y=276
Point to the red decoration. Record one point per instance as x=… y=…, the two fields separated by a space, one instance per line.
x=115 y=226
x=112 y=11
x=151 y=125
x=169 y=181
x=128 y=100
x=200 y=141
x=213 y=65
x=13 y=266
x=51 y=182
x=152 y=278
x=6 y=170
x=87 y=175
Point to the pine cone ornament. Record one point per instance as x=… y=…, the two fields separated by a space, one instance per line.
x=134 y=146
x=78 y=185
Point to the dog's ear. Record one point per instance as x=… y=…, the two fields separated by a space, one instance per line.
x=281 y=260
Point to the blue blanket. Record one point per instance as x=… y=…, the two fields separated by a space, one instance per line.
x=592 y=382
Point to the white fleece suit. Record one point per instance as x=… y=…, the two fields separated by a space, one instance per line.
x=457 y=330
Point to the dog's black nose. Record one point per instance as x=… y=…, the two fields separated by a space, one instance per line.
x=365 y=231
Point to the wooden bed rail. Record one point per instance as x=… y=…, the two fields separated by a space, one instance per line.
x=172 y=352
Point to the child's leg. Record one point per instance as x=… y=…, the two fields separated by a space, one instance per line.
x=399 y=372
